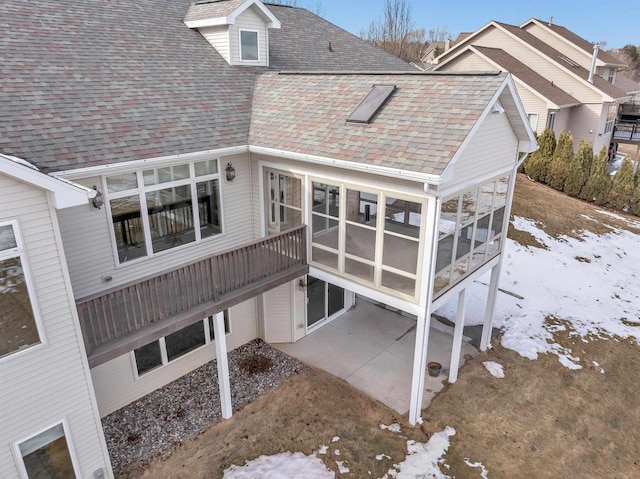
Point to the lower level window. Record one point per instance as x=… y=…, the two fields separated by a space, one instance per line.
x=164 y=350
x=47 y=455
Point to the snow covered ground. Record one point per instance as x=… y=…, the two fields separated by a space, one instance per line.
x=590 y=287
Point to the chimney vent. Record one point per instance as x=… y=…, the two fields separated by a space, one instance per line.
x=550 y=21
x=594 y=59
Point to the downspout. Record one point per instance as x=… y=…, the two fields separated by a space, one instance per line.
x=594 y=59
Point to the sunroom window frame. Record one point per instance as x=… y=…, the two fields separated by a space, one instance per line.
x=377 y=264
x=19 y=252
x=141 y=192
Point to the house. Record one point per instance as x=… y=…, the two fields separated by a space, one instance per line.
x=564 y=83
x=49 y=421
x=242 y=156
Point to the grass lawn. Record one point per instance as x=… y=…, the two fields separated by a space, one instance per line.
x=542 y=420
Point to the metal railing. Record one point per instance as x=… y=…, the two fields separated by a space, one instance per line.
x=627 y=130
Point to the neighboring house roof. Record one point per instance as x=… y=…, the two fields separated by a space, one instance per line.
x=627 y=84
x=308 y=42
x=420 y=128
x=528 y=76
x=600 y=83
x=578 y=41
x=85 y=85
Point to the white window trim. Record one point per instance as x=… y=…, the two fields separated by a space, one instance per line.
x=533 y=120
x=19 y=252
x=257 y=32
x=72 y=452
x=551 y=120
x=380 y=232
x=140 y=191
x=163 y=350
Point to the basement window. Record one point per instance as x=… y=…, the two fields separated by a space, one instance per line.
x=371 y=104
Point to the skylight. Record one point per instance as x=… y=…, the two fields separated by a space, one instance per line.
x=569 y=61
x=371 y=104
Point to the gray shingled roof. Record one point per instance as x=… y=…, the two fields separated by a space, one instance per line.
x=528 y=76
x=84 y=85
x=303 y=44
x=213 y=9
x=419 y=129
x=600 y=83
x=580 y=42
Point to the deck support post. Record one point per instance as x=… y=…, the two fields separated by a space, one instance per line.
x=419 y=365
x=487 y=327
x=456 y=349
x=223 y=365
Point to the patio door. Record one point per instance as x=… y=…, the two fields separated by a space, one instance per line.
x=283 y=201
x=324 y=302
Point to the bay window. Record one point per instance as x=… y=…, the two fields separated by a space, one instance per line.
x=158 y=209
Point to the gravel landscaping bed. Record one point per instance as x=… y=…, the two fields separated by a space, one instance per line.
x=155 y=424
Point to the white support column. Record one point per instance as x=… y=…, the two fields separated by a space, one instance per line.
x=485 y=341
x=419 y=366
x=456 y=349
x=223 y=365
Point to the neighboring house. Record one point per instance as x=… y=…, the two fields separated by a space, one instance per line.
x=433 y=50
x=49 y=421
x=244 y=201
x=564 y=83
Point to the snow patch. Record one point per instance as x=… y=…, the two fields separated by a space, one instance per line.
x=335 y=439
x=483 y=470
x=495 y=369
x=336 y=452
x=342 y=469
x=395 y=427
x=423 y=458
x=380 y=457
x=323 y=449
x=598 y=366
x=281 y=466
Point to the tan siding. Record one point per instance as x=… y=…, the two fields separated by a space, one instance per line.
x=44 y=384
x=115 y=382
x=533 y=104
x=88 y=239
x=494 y=146
x=218 y=37
x=585 y=121
x=277 y=314
x=468 y=61
x=250 y=20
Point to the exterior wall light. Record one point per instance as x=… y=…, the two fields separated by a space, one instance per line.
x=98 y=200
x=230 y=171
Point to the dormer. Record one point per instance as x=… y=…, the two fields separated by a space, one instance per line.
x=237 y=29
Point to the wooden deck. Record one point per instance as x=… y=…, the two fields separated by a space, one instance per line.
x=127 y=317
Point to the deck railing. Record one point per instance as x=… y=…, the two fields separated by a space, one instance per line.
x=627 y=131
x=121 y=311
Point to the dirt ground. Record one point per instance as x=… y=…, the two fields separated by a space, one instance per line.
x=541 y=421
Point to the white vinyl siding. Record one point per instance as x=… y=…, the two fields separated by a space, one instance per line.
x=578 y=55
x=277 y=314
x=533 y=104
x=218 y=37
x=249 y=20
x=88 y=239
x=115 y=381
x=588 y=121
x=51 y=382
x=493 y=148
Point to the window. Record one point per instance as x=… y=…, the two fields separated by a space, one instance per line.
x=19 y=327
x=175 y=345
x=611 y=117
x=533 y=120
x=47 y=454
x=551 y=120
x=469 y=231
x=249 y=45
x=284 y=201
x=381 y=236
x=162 y=208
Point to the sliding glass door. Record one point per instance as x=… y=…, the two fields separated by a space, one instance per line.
x=324 y=301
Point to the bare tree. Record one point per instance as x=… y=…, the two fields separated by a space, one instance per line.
x=395 y=32
x=439 y=34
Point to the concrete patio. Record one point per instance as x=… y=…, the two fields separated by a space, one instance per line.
x=372 y=349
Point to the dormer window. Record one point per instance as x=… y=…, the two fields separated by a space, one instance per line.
x=249 y=45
